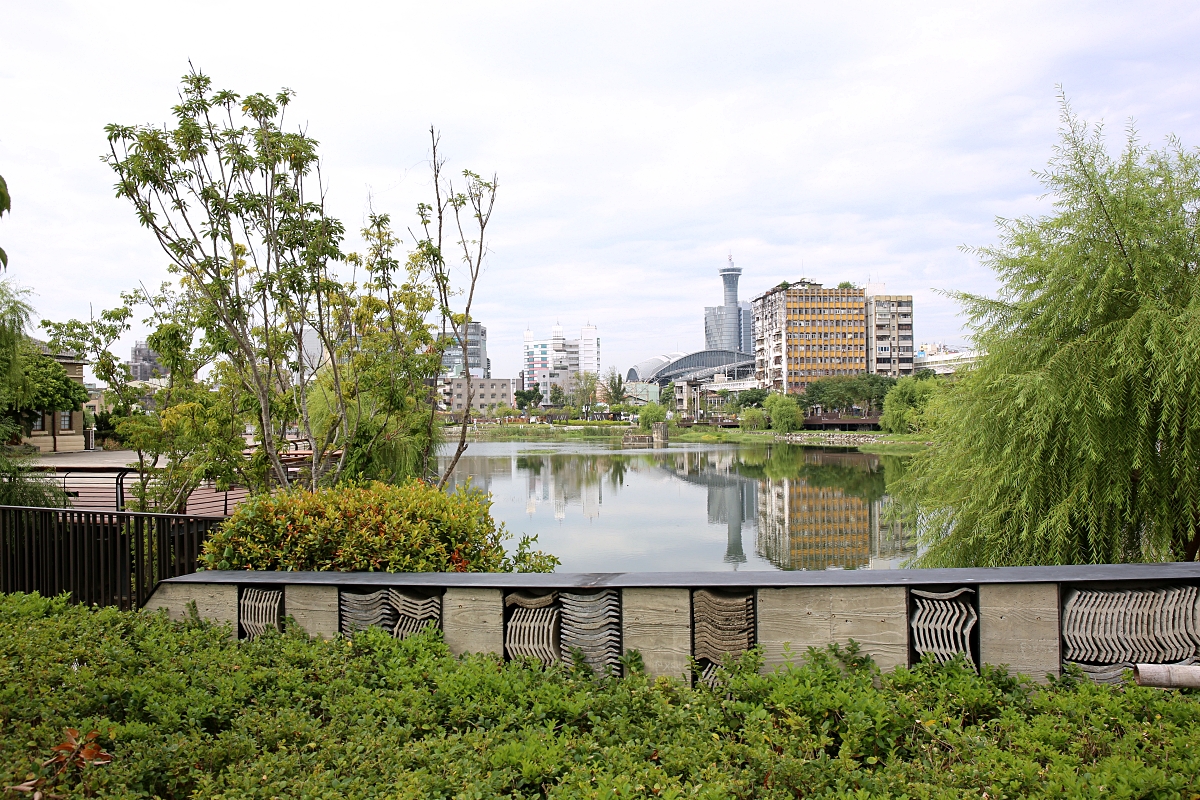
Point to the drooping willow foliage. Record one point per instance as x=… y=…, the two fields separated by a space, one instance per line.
x=1076 y=439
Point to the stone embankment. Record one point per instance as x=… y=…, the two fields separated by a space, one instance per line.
x=833 y=438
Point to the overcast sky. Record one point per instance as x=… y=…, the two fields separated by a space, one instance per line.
x=637 y=144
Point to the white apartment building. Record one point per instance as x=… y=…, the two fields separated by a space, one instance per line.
x=557 y=360
x=890 y=334
x=589 y=349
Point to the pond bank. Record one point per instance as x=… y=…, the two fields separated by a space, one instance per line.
x=878 y=443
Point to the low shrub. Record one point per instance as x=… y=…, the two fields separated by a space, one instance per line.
x=371 y=527
x=186 y=712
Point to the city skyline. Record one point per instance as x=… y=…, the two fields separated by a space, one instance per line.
x=818 y=143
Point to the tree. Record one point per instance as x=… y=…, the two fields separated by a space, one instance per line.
x=20 y=485
x=557 y=396
x=614 y=387
x=650 y=414
x=847 y=285
x=237 y=203
x=5 y=206
x=528 y=398
x=752 y=398
x=459 y=217
x=45 y=386
x=870 y=390
x=784 y=412
x=1074 y=439
x=904 y=407
x=189 y=430
x=583 y=392
x=752 y=419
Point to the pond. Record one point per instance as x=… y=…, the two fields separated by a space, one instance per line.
x=709 y=507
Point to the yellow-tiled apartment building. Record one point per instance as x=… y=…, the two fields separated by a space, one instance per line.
x=804 y=332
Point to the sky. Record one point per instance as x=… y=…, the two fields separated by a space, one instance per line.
x=637 y=145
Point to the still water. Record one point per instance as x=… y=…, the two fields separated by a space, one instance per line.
x=600 y=508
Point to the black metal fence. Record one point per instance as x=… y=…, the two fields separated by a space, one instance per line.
x=108 y=558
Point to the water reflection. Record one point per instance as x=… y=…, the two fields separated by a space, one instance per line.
x=764 y=507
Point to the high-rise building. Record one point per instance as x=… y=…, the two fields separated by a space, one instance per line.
x=890 y=334
x=558 y=360
x=804 y=332
x=729 y=326
x=144 y=363
x=589 y=349
x=477 y=357
x=747 y=322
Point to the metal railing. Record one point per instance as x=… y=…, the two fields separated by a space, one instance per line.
x=110 y=488
x=108 y=558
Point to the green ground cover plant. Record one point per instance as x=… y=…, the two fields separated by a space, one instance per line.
x=179 y=710
x=371 y=527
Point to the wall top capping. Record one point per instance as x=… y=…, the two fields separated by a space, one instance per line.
x=1105 y=573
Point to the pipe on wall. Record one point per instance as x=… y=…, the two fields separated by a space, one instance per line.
x=1167 y=676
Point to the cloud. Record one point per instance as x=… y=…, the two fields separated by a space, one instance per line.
x=637 y=145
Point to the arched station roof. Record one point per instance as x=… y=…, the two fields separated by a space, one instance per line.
x=676 y=366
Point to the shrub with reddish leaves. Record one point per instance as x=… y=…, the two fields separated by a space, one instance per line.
x=371 y=527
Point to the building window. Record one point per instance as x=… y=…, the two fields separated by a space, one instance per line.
x=64 y=420
x=39 y=423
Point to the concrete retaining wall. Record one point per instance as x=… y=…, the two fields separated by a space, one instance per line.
x=998 y=616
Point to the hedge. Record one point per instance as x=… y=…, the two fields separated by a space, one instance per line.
x=184 y=711
x=370 y=527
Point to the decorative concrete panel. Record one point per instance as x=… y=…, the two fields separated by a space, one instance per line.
x=314 y=608
x=414 y=612
x=217 y=602
x=722 y=624
x=1106 y=632
x=591 y=624
x=259 y=611
x=942 y=622
x=657 y=623
x=1018 y=626
x=804 y=617
x=473 y=620
x=362 y=610
x=532 y=628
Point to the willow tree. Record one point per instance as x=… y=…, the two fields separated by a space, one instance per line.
x=1076 y=439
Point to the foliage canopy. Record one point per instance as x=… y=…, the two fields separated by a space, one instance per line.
x=904 y=406
x=1076 y=438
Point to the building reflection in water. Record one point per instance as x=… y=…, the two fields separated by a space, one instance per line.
x=804 y=508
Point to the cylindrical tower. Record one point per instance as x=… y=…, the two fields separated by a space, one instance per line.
x=731 y=337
